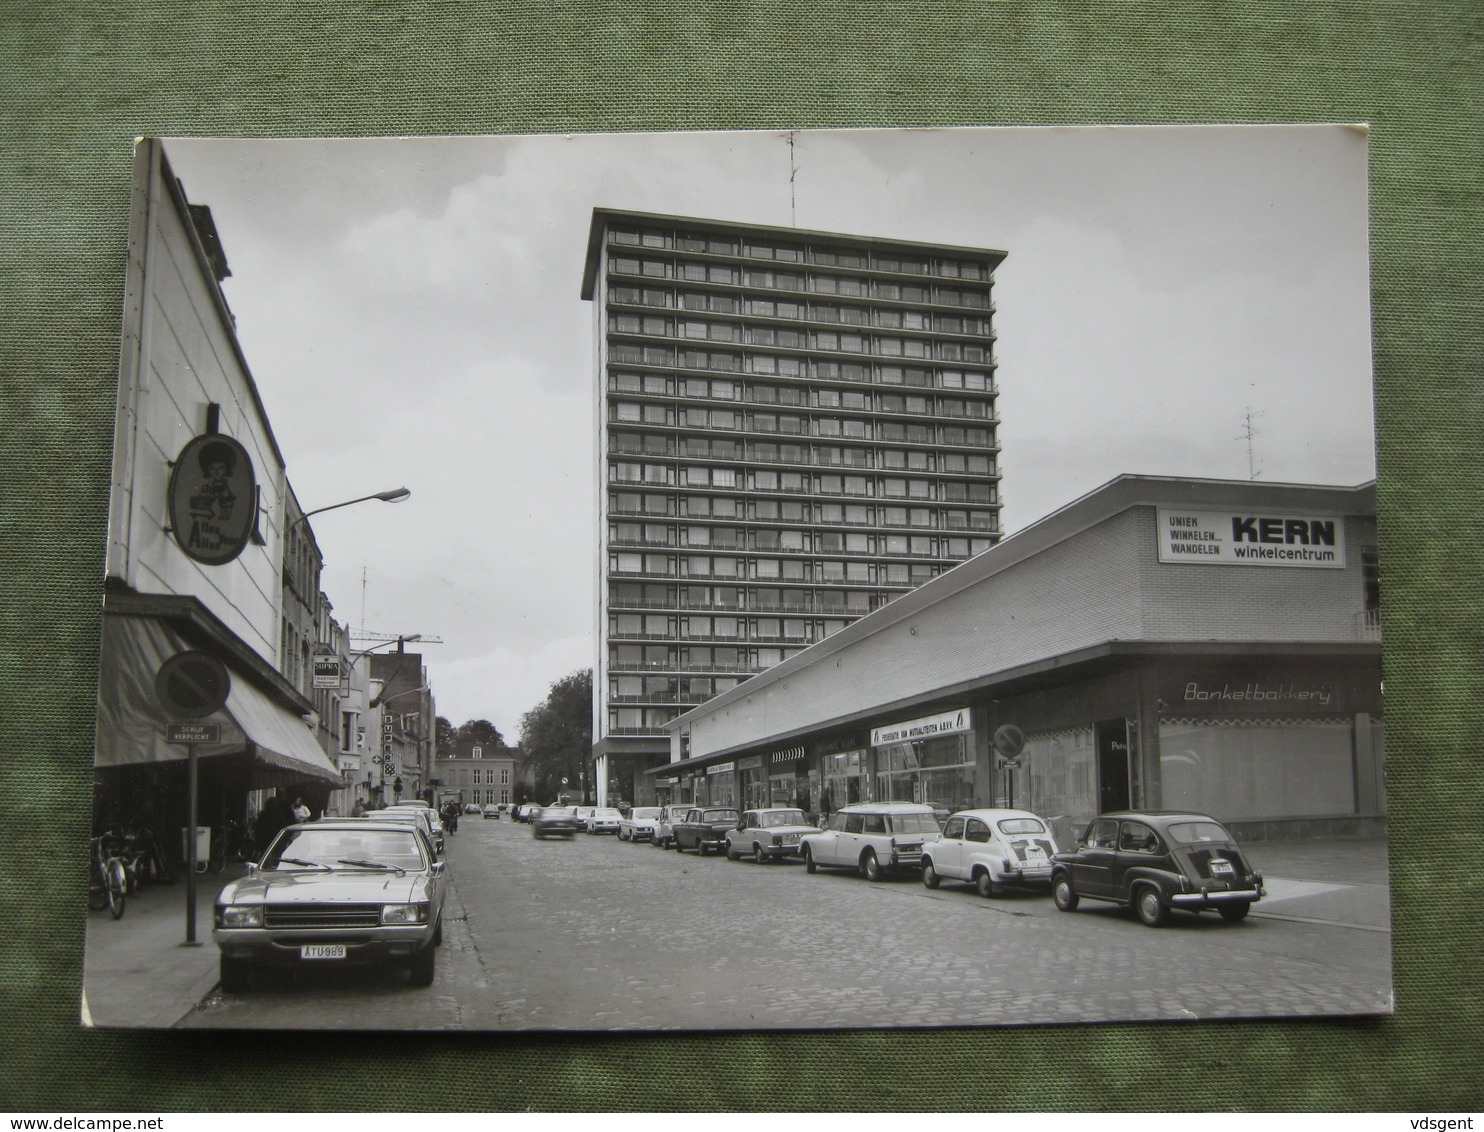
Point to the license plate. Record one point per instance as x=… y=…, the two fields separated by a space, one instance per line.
x=1222 y=869
x=1035 y=856
x=322 y=951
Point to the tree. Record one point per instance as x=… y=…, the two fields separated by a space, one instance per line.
x=443 y=737
x=476 y=733
x=557 y=736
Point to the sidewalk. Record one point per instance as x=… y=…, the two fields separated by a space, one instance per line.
x=137 y=970
x=138 y=973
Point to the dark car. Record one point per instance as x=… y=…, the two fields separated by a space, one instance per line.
x=332 y=893
x=704 y=829
x=554 y=821
x=1155 y=861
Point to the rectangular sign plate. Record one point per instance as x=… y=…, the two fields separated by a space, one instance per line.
x=193 y=732
x=322 y=951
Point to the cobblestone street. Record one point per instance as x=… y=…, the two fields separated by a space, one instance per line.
x=601 y=934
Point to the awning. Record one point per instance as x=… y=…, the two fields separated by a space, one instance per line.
x=131 y=722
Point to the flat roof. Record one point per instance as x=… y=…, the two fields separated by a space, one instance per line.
x=604 y=216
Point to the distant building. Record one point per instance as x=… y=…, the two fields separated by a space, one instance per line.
x=482 y=779
x=1166 y=643
x=796 y=427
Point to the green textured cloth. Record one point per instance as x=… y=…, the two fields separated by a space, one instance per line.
x=79 y=82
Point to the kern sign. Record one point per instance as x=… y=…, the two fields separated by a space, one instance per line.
x=1231 y=538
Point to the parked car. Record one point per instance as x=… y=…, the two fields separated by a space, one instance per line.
x=873 y=838
x=768 y=834
x=704 y=829
x=990 y=849
x=525 y=811
x=639 y=823
x=602 y=819
x=1155 y=861
x=336 y=891
x=555 y=821
x=491 y=812
x=419 y=818
x=472 y=808
x=664 y=827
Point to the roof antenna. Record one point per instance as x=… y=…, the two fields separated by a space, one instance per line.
x=793 y=171
x=1248 y=432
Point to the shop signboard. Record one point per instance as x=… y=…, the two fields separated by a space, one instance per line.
x=1241 y=538
x=326 y=671
x=721 y=768
x=951 y=722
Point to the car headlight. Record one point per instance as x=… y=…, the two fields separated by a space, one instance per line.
x=404 y=913
x=239 y=916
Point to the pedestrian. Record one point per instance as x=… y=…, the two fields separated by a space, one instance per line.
x=274 y=815
x=359 y=809
x=826 y=804
x=301 y=811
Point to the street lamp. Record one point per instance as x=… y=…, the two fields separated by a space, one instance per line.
x=394 y=495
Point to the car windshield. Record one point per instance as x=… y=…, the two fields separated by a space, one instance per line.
x=913 y=823
x=774 y=818
x=1194 y=832
x=605 y=812
x=718 y=815
x=677 y=813
x=321 y=848
x=644 y=813
x=1020 y=825
x=558 y=811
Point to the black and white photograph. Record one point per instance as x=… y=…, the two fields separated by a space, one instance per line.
x=953 y=550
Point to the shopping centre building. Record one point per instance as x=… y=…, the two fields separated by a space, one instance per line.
x=1165 y=643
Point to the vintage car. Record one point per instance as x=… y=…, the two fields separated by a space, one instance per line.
x=664 y=826
x=768 y=834
x=490 y=812
x=602 y=819
x=525 y=811
x=1155 y=861
x=335 y=891
x=873 y=838
x=990 y=849
x=704 y=829
x=638 y=824
x=555 y=821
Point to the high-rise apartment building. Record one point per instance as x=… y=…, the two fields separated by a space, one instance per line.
x=794 y=428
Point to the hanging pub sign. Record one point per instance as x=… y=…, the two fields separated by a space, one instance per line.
x=213 y=499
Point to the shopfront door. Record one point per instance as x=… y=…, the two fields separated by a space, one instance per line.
x=1113 y=766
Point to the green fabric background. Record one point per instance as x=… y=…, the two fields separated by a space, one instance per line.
x=79 y=81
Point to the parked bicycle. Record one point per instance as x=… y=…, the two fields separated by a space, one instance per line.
x=107 y=883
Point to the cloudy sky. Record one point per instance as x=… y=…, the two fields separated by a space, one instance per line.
x=410 y=309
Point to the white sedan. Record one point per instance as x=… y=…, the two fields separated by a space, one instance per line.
x=601 y=819
x=639 y=825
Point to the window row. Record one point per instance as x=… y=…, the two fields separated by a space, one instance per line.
x=770 y=452
x=796 y=511
x=787 y=365
x=782 y=540
x=793 y=424
x=793 y=570
x=788 y=393
x=820 y=483
x=748 y=599
x=915 y=377
x=783 y=252
x=694 y=658
x=814 y=282
x=788 y=630
x=882 y=318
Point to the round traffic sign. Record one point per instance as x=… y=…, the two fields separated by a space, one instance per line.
x=1009 y=740
x=193 y=684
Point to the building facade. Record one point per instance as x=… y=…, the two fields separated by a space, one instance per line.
x=481 y=779
x=401 y=711
x=198 y=514
x=1167 y=643
x=796 y=427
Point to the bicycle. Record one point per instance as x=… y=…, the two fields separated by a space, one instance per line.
x=108 y=882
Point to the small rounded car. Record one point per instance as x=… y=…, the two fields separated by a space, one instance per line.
x=872 y=838
x=490 y=812
x=664 y=826
x=334 y=892
x=1153 y=861
x=991 y=849
x=768 y=834
x=638 y=824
